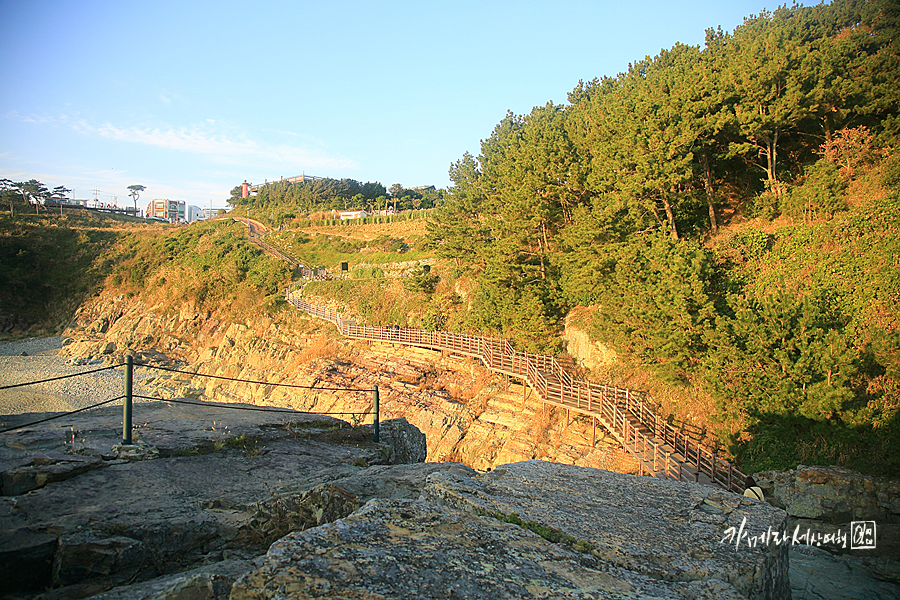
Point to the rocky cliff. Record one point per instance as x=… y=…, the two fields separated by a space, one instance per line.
x=467 y=414
x=193 y=510
x=210 y=492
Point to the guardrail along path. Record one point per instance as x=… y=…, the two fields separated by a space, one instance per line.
x=664 y=450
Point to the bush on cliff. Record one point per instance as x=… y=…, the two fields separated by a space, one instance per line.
x=209 y=263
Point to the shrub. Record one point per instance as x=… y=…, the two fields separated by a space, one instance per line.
x=820 y=194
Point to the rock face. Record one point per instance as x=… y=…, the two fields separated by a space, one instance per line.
x=532 y=530
x=219 y=486
x=827 y=500
x=194 y=500
x=467 y=414
x=411 y=549
x=832 y=494
x=586 y=352
x=618 y=515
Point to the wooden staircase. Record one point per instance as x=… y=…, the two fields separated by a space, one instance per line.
x=664 y=450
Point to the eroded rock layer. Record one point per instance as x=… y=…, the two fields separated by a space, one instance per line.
x=467 y=414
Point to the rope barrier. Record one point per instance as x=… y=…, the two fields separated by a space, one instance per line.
x=61 y=415
x=290 y=385
x=252 y=408
x=15 y=385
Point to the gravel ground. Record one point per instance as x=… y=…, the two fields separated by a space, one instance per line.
x=41 y=362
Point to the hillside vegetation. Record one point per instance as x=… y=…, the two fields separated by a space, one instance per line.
x=209 y=263
x=294 y=204
x=728 y=216
x=726 y=219
x=51 y=263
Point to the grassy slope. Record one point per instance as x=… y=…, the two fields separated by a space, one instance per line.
x=49 y=264
x=209 y=264
x=329 y=245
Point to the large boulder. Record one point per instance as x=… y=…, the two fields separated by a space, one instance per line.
x=832 y=494
x=535 y=529
x=404 y=443
x=663 y=529
x=414 y=549
x=823 y=503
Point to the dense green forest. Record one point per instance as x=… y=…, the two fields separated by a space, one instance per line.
x=730 y=216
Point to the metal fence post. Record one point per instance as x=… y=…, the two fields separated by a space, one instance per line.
x=377 y=410
x=126 y=408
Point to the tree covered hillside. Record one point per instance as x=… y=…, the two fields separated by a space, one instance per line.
x=282 y=201
x=729 y=218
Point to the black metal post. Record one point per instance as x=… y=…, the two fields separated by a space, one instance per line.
x=377 y=409
x=126 y=409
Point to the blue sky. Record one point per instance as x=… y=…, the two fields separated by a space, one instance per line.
x=191 y=98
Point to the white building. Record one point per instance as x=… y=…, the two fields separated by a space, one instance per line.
x=343 y=215
x=194 y=213
x=209 y=213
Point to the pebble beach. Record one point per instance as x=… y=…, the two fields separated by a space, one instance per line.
x=36 y=359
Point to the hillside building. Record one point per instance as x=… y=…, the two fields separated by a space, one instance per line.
x=343 y=215
x=194 y=213
x=172 y=211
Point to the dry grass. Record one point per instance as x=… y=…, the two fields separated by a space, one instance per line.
x=466 y=388
x=400 y=229
x=542 y=422
x=688 y=403
x=319 y=347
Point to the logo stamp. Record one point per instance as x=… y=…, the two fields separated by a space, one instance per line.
x=862 y=535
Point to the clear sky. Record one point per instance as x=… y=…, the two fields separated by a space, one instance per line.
x=191 y=98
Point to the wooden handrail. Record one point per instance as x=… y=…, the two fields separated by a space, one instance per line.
x=626 y=413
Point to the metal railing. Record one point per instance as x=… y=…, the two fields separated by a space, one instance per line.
x=663 y=449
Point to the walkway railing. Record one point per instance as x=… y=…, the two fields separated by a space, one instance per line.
x=128 y=397
x=667 y=451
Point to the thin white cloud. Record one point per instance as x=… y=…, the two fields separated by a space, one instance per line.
x=167 y=97
x=14 y=114
x=205 y=140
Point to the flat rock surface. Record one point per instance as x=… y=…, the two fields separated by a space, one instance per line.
x=666 y=530
x=412 y=549
x=217 y=489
